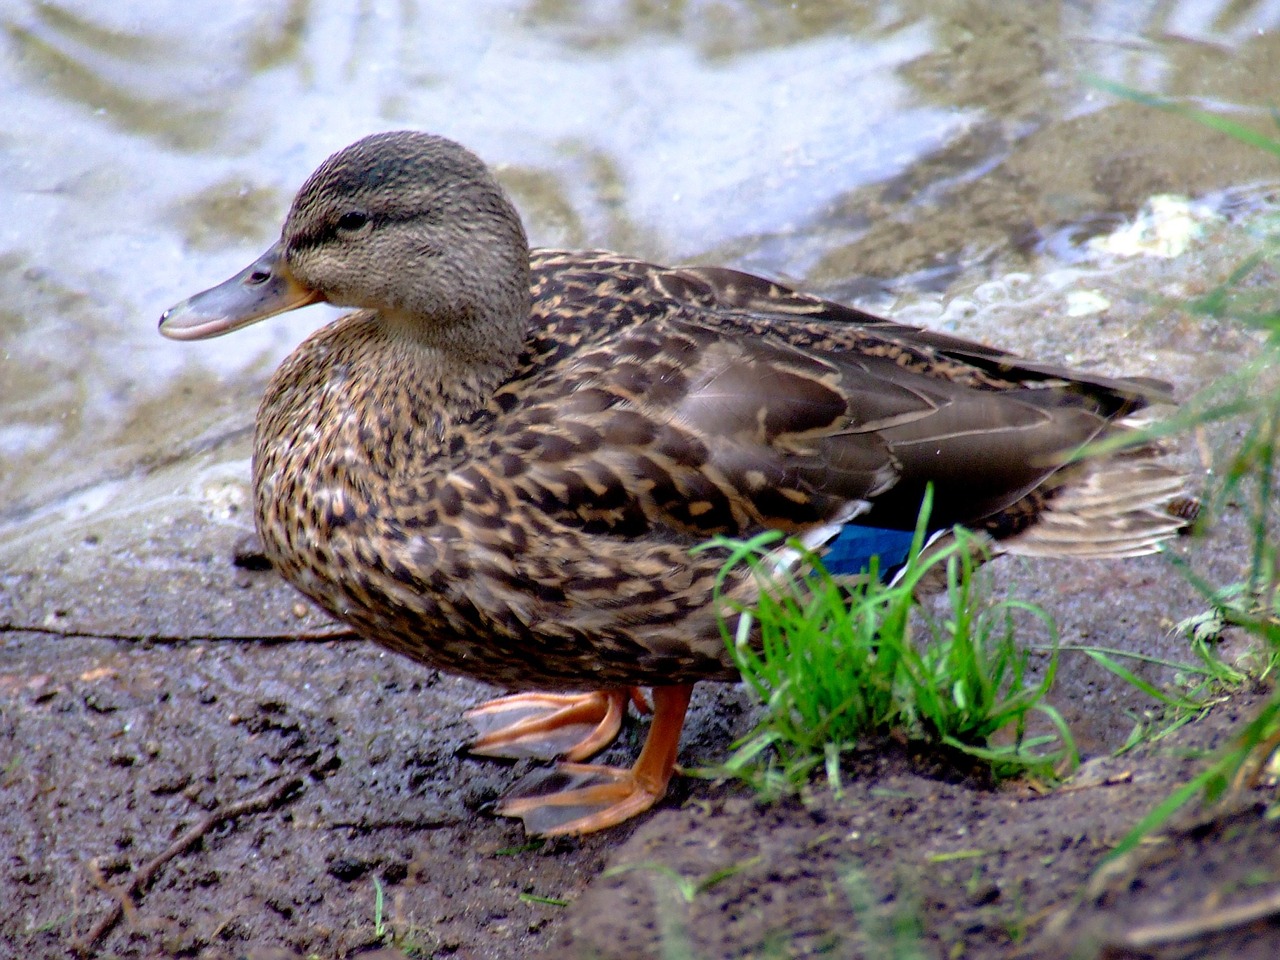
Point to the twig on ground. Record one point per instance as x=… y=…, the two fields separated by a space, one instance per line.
x=336 y=632
x=125 y=898
x=1216 y=921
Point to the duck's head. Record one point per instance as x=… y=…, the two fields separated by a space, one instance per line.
x=409 y=225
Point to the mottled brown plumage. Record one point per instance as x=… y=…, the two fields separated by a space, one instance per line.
x=499 y=466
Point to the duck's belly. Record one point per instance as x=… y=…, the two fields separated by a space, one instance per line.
x=622 y=616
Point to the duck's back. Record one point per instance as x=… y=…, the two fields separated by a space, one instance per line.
x=832 y=404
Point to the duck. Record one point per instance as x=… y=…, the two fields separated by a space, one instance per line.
x=502 y=463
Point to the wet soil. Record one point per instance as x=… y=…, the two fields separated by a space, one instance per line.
x=201 y=766
x=911 y=858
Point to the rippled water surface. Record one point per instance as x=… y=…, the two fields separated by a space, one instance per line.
x=906 y=154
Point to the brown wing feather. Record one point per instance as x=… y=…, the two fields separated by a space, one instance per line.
x=732 y=289
x=829 y=419
x=797 y=406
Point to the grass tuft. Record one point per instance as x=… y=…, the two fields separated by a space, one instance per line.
x=835 y=661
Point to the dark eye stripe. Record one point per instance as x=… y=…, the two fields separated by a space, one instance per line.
x=348 y=221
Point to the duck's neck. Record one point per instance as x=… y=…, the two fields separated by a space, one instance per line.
x=361 y=406
x=458 y=364
x=461 y=326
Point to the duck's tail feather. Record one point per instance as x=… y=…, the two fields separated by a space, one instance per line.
x=1122 y=505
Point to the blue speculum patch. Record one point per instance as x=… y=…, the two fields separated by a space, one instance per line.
x=851 y=551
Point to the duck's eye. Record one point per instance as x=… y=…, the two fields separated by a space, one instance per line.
x=352 y=221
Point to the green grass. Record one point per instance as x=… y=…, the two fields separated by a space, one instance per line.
x=380 y=929
x=891 y=931
x=545 y=901
x=687 y=888
x=835 y=662
x=409 y=940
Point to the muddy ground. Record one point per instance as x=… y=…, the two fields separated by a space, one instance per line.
x=183 y=779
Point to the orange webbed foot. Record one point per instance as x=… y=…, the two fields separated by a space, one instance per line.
x=575 y=798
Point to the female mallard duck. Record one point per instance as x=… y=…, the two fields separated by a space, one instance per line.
x=499 y=465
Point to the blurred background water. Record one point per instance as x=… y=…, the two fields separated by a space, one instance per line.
x=937 y=161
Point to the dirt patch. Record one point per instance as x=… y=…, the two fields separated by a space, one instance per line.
x=978 y=870
x=1208 y=890
x=120 y=750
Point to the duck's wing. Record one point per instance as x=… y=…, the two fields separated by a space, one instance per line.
x=859 y=415
x=741 y=403
x=698 y=423
x=567 y=277
x=732 y=289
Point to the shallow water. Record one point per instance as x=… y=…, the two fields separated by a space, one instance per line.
x=945 y=164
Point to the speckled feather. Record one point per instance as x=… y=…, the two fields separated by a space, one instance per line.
x=543 y=536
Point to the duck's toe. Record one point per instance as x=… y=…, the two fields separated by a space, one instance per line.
x=578 y=798
x=549 y=725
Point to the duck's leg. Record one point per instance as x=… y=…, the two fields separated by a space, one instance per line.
x=575 y=798
x=549 y=725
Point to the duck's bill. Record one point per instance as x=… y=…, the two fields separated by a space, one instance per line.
x=260 y=290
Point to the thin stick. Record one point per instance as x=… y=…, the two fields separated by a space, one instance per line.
x=1228 y=918
x=262 y=800
x=336 y=632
